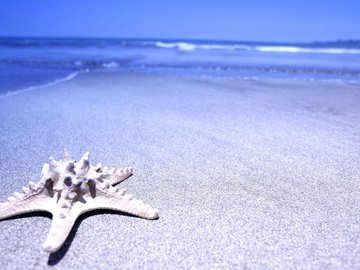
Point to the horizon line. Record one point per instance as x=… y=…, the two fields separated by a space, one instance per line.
x=339 y=40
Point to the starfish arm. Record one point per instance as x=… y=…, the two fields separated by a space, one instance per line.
x=120 y=200
x=16 y=206
x=63 y=220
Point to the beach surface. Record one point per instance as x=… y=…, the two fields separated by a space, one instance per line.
x=247 y=174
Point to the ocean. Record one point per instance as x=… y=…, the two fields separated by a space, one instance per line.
x=27 y=63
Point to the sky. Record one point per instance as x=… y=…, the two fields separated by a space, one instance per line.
x=247 y=20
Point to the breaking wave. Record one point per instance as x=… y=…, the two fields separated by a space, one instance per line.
x=330 y=47
x=188 y=46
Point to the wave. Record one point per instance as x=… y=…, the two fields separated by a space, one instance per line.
x=111 y=64
x=67 y=64
x=188 y=46
x=20 y=91
x=291 y=49
x=331 y=47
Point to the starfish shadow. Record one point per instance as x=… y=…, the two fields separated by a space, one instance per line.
x=29 y=215
x=56 y=257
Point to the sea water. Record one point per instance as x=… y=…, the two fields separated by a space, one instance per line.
x=26 y=63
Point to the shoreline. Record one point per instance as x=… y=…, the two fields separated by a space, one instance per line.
x=245 y=173
x=35 y=87
x=184 y=75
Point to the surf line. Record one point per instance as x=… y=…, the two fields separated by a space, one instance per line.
x=31 y=88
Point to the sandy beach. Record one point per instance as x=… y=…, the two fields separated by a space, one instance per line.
x=247 y=174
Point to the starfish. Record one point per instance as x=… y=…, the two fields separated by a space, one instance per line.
x=68 y=189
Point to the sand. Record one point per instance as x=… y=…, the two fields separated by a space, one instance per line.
x=248 y=174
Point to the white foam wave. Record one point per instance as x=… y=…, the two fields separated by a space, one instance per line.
x=111 y=64
x=291 y=49
x=17 y=92
x=187 y=46
x=183 y=46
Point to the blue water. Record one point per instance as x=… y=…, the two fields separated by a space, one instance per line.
x=29 y=62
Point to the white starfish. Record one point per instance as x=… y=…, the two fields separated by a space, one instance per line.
x=68 y=189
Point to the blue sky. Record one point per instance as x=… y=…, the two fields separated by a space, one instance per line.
x=254 y=20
